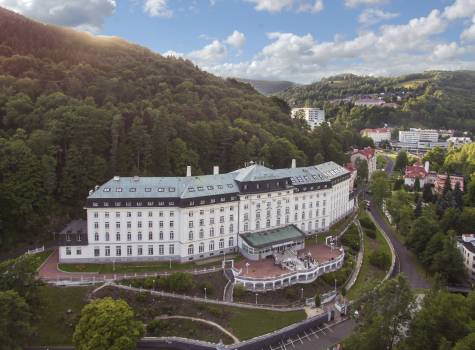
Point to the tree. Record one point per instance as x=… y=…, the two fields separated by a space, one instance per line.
x=447 y=185
x=467 y=343
x=317 y=300
x=427 y=193
x=418 y=208
x=417 y=185
x=385 y=315
x=15 y=327
x=421 y=232
x=380 y=187
x=401 y=161
x=435 y=157
x=362 y=170
x=458 y=196
x=107 y=324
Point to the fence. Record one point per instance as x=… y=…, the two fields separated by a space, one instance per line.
x=36 y=250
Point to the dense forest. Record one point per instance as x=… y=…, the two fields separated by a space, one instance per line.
x=437 y=99
x=77 y=109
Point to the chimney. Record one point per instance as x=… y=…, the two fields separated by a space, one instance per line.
x=216 y=170
x=294 y=163
x=188 y=170
x=426 y=166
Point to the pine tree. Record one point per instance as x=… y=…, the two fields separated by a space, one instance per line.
x=417 y=185
x=447 y=185
x=418 y=208
x=458 y=196
x=160 y=149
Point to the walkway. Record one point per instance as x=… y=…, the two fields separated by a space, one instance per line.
x=211 y=323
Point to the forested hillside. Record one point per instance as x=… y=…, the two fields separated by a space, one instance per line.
x=268 y=87
x=431 y=99
x=77 y=109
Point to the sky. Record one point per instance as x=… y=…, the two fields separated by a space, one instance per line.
x=297 y=40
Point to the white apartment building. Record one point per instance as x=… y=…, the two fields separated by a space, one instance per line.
x=467 y=247
x=414 y=136
x=313 y=116
x=367 y=155
x=377 y=135
x=196 y=217
x=458 y=141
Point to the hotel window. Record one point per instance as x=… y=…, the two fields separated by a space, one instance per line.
x=323 y=211
x=106 y=214
x=211 y=221
x=246 y=226
x=246 y=216
x=107 y=236
x=258 y=225
x=231 y=217
x=150 y=250
x=139 y=250
x=171 y=223
x=323 y=222
x=316 y=212
x=129 y=224
x=129 y=236
x=211 y=232
x=190 y=249
x=190 y=235
x=160 y=224
x=117 y=224
x=278 y=220
x=221 y=209
x=172 y=235
x=172 y=214
x=107 y=251
x=171 y=249
x=221 y=230
x=221 y=243
x=231 y=228
x=317 y=204
x=117 y=236
x=150 y=236
x=97 y=251
x=150 y=224
x=161 y=249
x=231 y=241
x=231 y=208
x=221 y=219
x=211 y=246
x=211 y=211
x=267 y=223
x=287 y=219
x=129 y=250
x=129 y=214
x=202 y=233
x=258 y=215
x=139 y=213
x=117 y=214
x=202 y=222
x=201 y=248
x=139 y=224
x=150 y=214
x=202 y=212
x=324 y=202
x=139 y=236
x=68 y=250
x=160 y=214
x=118 y=251
x=316 y=224
x=96 y=225
x=160 y=235
x=68 y=237
x=295 y=217
x=96 y=214
x=190 y=214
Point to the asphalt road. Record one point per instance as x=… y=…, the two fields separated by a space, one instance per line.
x=404 y=260
x=340 y=332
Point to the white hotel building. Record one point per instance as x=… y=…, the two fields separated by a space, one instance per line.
x=313 y=116
x=196 y=217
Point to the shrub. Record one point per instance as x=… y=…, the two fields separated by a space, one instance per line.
x=351 y=239
x=370 y=233
x=155 y=327
x=366 y=222
x=177 y=282
x=318 y=302
x=380 y=260
x=239 y=291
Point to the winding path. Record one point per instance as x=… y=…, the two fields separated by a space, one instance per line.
x=211 y=323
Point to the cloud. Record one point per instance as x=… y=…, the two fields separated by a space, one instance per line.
x=391 y=49
x=355 y=3
x=80 y=14
x=460 y=9
x=372 y=16
x=274 y=6
x=271 y=5
x=236 y=39
x=211 y=53
x=157 y=8
x=316 y=7
x=469 y=33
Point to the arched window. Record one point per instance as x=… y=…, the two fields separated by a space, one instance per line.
x=221 y=243
x=211 y=246
x=201 y=247
x=190 y=249
x=231 y=241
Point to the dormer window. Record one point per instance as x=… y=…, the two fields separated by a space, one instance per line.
x=161 y=189
x=118 y=189
x=148 y=189
x=191 y=189
x=200 y=188
x=171 y=189
x=132 y=189
x=220 y=187
x=210 y=187
x=107 y=189
x=230 y=185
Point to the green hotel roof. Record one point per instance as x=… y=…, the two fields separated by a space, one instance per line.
x=274 y=236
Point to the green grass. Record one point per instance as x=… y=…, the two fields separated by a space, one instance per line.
x=38 y=258
x=135 y=267
x=60 y=309
x=249 y=323
x=369 y=275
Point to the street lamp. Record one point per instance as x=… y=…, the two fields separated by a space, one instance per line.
x=205 y=292
x=247 y=268
x=256 y=298
x=302 y=293
x=335 y=284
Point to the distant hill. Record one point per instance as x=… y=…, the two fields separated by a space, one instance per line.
x=431 y=99
x=268 y=87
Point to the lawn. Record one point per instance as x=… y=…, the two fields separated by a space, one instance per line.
x=38 y=258
x=243 y=323
x=139 y=267
x=369 y=275
x=60 y=309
